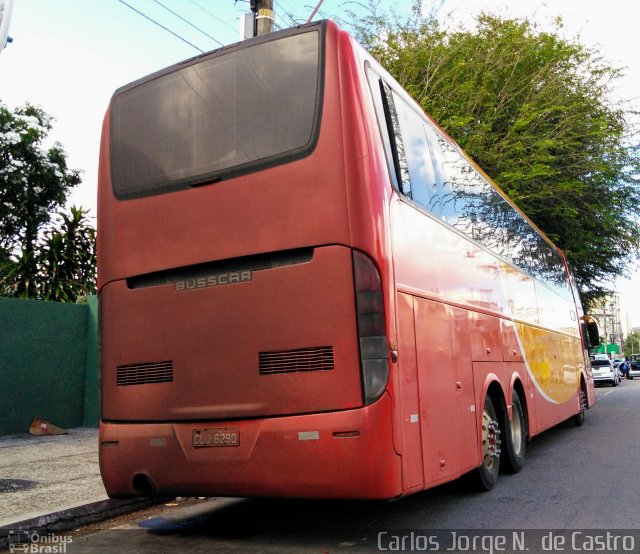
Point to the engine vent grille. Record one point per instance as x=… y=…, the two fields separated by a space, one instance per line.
x=140 y=374
x=318 y=358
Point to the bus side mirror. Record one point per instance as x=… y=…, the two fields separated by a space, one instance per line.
x=591 y=333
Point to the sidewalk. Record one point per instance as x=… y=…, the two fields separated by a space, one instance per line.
x=53 y=482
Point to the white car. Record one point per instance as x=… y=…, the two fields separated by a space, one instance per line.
x=604 y=372
x=634 y=369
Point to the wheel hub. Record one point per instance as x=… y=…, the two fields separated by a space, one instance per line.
x=493 y=437
x=490 y=440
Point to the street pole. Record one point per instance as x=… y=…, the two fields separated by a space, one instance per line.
x=265 y=16
x=315 y=10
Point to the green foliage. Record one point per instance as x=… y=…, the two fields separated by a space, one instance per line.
x=534 y=110
x=36 y=261
x=34 y=180
x=67 y=258
x=632 y=344
x=64 y=260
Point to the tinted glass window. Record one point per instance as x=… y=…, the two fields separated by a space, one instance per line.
x=217 y=116
x=471 y=204
x=397 y=141
x=416 y=150
x=377 y=93
x=435 y=174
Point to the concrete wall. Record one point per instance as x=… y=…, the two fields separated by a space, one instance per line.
x=48 y=364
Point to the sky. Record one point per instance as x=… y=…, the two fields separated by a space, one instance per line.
x=69 y=56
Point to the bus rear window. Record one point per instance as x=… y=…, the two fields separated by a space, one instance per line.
x=230 y=113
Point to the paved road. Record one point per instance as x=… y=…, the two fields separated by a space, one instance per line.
x=574 y=478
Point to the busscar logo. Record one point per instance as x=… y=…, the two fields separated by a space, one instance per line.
x=216 y=280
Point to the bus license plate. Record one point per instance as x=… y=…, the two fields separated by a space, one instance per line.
x=216 y=437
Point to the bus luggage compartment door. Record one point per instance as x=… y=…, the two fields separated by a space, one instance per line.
x=251 y=343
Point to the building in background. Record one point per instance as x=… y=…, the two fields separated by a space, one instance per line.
x=606 y=311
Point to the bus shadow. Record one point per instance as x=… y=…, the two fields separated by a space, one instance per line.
x=310 y=522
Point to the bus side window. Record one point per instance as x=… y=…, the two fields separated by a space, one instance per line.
x=397 y=143
x=375 y=86
x=460 y=187
x=469 y=203
x=442 y=205
x=418 y=155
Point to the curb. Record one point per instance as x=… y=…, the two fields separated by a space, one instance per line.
x=65 y=520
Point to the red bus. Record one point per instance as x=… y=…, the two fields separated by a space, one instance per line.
x=308 y=290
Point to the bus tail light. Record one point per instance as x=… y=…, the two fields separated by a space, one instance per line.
x=374 y=351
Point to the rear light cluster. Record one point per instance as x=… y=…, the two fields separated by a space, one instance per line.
x=374 y=350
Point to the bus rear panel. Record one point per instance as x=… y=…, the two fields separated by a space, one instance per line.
x=243 y=331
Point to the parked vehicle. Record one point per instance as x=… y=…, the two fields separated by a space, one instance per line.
x=603 y=371
x=634 y=370
x=306 y=287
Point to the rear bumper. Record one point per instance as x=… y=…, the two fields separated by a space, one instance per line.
x=346 y=454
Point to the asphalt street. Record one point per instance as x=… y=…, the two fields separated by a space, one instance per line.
x=574 y=479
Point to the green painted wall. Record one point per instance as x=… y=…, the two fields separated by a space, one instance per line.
x=91 y=396
x=48 y=364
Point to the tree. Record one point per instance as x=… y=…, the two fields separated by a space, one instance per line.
x=534 y=110
x=632 y=343
x=67 y=258
x=34 y=181
x=34 y=184
x=64 y=260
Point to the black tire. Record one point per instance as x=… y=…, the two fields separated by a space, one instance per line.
x=515 y=437
x=578 y=419
x=484 y=478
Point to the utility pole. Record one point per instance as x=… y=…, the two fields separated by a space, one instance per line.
x=265 y=16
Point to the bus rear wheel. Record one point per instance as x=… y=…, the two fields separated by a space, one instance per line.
x=515 y=443
x=486 y=476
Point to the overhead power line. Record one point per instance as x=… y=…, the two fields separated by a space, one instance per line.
x=279 y=7
x=214 y=16
x=284 y=21
x=161 y=26
x=281 y=2
x=188 y=22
